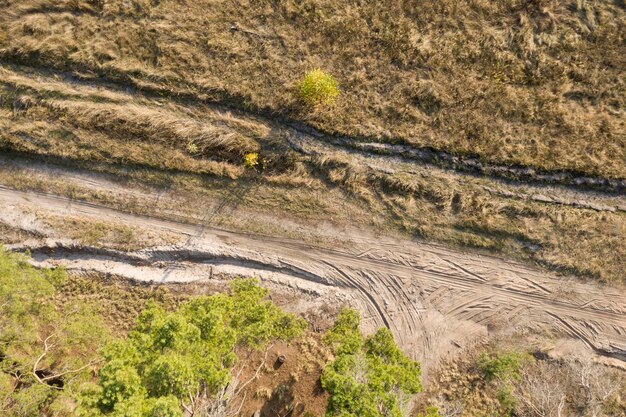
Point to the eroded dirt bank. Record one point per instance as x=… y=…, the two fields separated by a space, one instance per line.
x=435 y=300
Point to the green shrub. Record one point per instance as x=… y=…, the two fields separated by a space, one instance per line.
x=430 y=412
x=506 y=400
x=72 y=331
x=501 y=369
x=185 y=355
x=503 y=366
x=370 y=377
x=251 y=160
x=318 y=88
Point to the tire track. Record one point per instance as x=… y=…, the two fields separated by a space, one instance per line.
x=295 y=132
x=351 y=281
x=392 y=280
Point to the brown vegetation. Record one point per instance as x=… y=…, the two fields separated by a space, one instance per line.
x=98 y=234
x=537 y=83
x=138 y=101
x=541 y=387
x=421 y=202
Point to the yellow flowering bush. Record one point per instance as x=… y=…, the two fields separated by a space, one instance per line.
x=251 y=160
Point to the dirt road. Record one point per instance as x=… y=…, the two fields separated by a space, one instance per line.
x=434 y=299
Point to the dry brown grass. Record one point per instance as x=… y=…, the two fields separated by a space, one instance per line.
x=119 y=300
x=449 y=209
x=44 y=116
x=101 y=234
x=10 y=234
x=503 y=79
x=155 y=125
x=538 y=83
x=547 y=386
x=420 y=202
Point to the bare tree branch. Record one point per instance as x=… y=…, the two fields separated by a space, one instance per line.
x=256 y=374
x=71 y=371
x=46 y=349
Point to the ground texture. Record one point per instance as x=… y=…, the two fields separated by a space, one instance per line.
x=435 y=300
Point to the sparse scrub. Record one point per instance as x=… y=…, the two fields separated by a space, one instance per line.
x=536 y=388
x=263 y=393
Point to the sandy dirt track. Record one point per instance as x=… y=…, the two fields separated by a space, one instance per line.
x=435 y=300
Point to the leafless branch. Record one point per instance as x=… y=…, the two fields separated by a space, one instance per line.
x=256 y=374
x=72 y=371
x=46 y=349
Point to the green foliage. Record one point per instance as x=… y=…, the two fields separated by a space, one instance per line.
x=345 y=335
x=430 y=412
x=28 y=400
x=167 y=357
x=370 y=377
x=192 y=148
x=22 y=291
x=318 y=87
x=502 y=369
x=140 y=406
x=28 y=316
x=172 y=356
x=506 y=400
x=502 y=366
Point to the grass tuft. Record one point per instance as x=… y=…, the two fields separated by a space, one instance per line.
x=318 y=88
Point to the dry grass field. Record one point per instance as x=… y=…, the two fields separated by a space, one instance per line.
x=149 y=143
x=146 y=140
x=172 y=95
x=536 y=83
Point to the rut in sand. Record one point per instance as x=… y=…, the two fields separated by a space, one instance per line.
x=435 y=300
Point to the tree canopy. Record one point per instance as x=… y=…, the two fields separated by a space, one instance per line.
x=370 y=377
x=176 y=360
x=43 y=346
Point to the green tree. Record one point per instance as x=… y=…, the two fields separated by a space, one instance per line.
x=43 y=346
x=176 y=360
x=370 y=377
